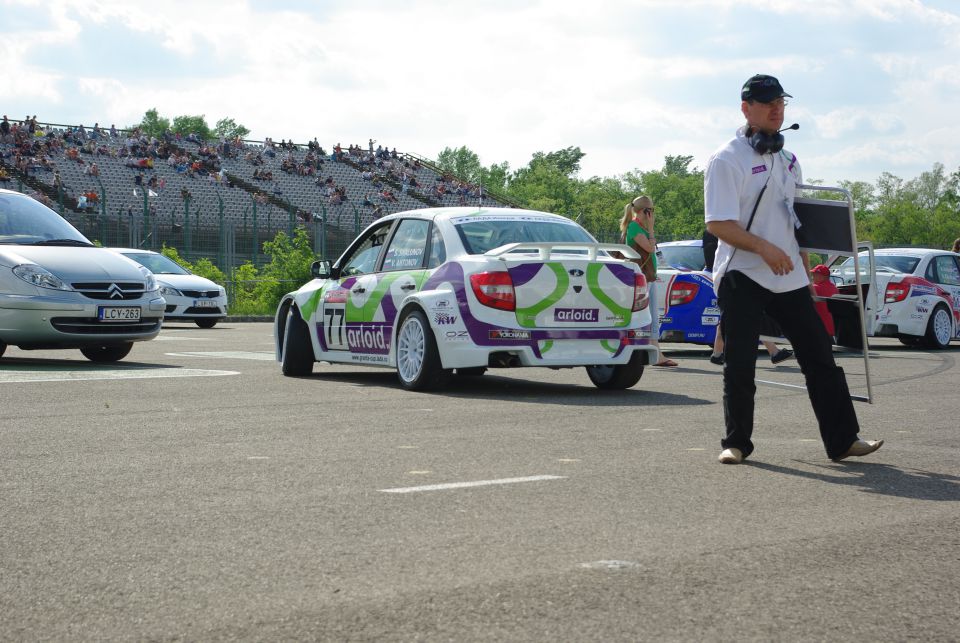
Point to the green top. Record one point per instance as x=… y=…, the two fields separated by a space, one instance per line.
x=633 y=229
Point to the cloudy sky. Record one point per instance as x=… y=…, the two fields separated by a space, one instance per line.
x=876 y=83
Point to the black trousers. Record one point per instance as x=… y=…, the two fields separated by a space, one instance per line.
x=743 y=302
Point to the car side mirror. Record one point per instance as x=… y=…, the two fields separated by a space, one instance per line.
x=320 y=269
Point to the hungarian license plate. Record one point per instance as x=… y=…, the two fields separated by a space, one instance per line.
x=204 y=303
x=118 y=313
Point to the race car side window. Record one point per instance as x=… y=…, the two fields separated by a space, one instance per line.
x=438 y=251
x=408 y=246
x=947 y=272
x=363 y=258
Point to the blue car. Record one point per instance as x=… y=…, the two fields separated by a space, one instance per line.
x=685 y=299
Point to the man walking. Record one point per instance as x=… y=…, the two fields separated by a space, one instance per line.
x=749 y=189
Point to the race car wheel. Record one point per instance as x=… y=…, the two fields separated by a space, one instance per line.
x=296 y=358
x=107 y=353
x=617 y=377
x=418 y=361
x=206 y=323
x=939 y=328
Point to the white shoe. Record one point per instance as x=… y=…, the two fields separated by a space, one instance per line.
x=731 y=456
x=859 y=449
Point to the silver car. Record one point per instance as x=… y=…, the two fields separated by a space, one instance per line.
x=189 y=297
x=58 y=290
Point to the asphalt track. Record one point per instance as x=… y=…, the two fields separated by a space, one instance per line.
x=191 y=492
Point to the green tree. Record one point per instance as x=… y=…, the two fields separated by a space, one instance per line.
x=245 y=298
x=677 y=193
x=187 y=125
x=289 y=266
x=567 y=160
x=460 y=162
x=152 y=124
x=229 y=128
x=542 y=186
x=495 y=177
x=598 y=206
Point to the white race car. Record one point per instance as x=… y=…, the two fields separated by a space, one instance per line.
x=909 y=293
x=457 y=290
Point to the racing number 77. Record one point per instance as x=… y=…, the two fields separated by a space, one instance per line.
x=334 y=318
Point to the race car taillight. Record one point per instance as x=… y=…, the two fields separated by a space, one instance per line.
x=683 y=292
x=898 y=290
x=640 y=299
x=494 y=289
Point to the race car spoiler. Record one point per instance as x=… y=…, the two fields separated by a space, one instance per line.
x=545 y=249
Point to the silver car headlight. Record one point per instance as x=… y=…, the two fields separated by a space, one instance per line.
x=170 y=291
x=40 y=277
x=150 y=281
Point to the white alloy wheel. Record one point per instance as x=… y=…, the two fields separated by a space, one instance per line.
x=939 y=328
x=411 y=349
x=418 y=362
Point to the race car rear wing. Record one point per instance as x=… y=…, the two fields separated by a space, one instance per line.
x=545 y=248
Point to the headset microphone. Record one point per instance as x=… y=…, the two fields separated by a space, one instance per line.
x=765 y=143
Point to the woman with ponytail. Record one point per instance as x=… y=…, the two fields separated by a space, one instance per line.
x=637 y=228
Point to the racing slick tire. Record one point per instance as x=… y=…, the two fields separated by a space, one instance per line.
x=206 y=323
x=617 y=377
x=939 y=328
x=418 y=360
x=296 y=359
x=107 y=352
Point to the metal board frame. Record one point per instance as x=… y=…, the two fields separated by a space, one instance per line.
x=829 y=234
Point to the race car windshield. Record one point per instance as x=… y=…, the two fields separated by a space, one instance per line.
x=481 y=236
x=891 y=263
x=681 y=257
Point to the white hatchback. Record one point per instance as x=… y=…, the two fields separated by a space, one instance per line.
x=190 y=297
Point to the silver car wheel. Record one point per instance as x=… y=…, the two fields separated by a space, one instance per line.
x=941 y=326
x=411 y=349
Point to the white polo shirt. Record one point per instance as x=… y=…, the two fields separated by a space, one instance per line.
x=735 y=175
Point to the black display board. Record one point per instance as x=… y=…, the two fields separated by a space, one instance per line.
x=826 y=226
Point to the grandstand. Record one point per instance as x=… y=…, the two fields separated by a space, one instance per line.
x=218 y=200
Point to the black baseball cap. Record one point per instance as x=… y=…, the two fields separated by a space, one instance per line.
x=763 y=89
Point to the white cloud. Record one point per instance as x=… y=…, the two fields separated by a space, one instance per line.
x=511 y=78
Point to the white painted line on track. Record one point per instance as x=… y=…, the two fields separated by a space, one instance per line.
x=610 y=564
x=14 y=377
x=475 y=483
x=256 y=355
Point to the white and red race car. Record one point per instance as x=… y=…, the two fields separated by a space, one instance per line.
x=912 y=294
